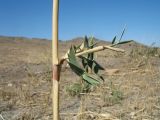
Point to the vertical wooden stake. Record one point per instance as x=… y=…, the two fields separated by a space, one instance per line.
x=56 y=70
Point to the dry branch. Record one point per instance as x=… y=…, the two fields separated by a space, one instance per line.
x=158 y=107
x=96 y=49
x=104 y=116
x=99 y=48
x=1 y=117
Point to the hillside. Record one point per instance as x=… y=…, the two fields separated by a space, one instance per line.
x=130 y=90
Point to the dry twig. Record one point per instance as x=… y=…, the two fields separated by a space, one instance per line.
x=156 y=106
x=96 y=49
x=2 y=117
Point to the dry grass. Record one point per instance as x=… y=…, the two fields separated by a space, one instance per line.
x=130 y=94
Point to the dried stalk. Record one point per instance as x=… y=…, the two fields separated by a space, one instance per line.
x=1 y=117
x=56 y=70
x=96 y=49
x=99 y=48
x=57 y=64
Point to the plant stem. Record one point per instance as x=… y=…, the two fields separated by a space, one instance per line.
x=55 y=62
x=96 y=49
x=99 y=48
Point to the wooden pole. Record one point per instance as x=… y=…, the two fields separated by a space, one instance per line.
x=55 y=61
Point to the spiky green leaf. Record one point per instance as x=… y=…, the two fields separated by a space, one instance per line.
x=101 y=78
x=124 y=42
x=79 y=71
x=114 y=39
x=73 y=62
x=92 y=64
x=90 y=79
x=91 y=42
x=86 y=43
x=72 y=57
x=86 y=62
x=122 y=34
x=96 y=76
x=97 y=67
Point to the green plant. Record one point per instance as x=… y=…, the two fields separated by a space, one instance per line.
x=81 y=60
x=89 y=69
x=111 y=100
x=115 y=96
x=77 y=88
x=75 y=51
x=85 y=51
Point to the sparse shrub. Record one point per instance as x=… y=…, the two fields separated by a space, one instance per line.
x=117 y=94
x=115 y=97
x=141 y=55
x=152 y=51
x=144 y=52
x=76 y=89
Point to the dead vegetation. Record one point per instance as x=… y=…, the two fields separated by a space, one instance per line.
x=130 y=90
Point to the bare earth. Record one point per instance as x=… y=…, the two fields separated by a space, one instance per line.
x=131 y=90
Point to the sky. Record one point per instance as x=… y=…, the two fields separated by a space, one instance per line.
x=102 y=19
